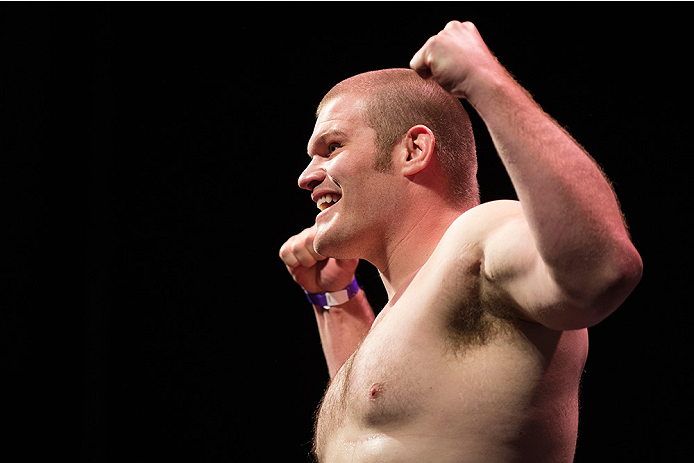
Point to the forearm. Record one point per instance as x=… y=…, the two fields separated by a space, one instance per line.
x=343 y=328
x=570 y=206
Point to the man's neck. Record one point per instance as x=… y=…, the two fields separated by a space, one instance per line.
x=411 y=248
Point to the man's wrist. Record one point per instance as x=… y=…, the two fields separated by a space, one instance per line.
x=334 y=298
x=488 y=84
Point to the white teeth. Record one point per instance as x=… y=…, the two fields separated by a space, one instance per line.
x=326 y=200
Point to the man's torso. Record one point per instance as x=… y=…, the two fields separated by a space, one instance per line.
x=448 y=374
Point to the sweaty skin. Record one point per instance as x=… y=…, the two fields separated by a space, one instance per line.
x=478 y=355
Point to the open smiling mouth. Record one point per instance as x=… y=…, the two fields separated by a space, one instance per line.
x=325 y=201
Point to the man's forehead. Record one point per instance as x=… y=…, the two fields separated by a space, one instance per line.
x=342 y=108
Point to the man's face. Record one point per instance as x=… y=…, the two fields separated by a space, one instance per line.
x=352 y=196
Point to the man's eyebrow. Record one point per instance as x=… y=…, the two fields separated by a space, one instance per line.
x=321 y=139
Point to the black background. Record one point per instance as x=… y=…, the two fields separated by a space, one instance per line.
x=150 y=154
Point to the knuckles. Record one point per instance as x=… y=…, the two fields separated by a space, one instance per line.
x=287 y=255
x=452 y=25
x=295 y=246
x=297 y=250
x=455 y=30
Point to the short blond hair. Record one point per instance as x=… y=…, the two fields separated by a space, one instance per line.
x=394 y=100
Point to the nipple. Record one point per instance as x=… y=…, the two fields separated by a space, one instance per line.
x=375 y=391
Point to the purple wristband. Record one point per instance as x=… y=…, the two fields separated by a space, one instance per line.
x=328 y=300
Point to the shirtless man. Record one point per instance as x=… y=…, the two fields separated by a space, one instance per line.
x=478 y=353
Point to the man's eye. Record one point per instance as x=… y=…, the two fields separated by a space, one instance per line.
x=332 y=147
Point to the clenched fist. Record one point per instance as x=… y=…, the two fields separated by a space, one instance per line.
x=456 y=58
x=313 y=272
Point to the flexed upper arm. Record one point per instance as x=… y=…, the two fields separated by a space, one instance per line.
x=513 y=270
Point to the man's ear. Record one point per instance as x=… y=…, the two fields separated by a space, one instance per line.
x=419 y=149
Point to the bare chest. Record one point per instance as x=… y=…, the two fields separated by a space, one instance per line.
x=453 y=373
x=404 y=376
x=381 y=386
x=405 y=366
x=404 y=387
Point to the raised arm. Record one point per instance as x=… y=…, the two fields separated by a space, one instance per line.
x=342 y=328
x=576 y=263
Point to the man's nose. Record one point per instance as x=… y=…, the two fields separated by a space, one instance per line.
x=312 y=176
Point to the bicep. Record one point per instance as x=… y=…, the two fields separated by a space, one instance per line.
x=514 y=271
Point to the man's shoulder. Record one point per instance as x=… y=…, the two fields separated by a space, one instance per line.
x=479 y=223
x=466 y=238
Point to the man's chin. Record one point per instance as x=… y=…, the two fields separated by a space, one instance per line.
x=322 y=242
x=329 y=242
